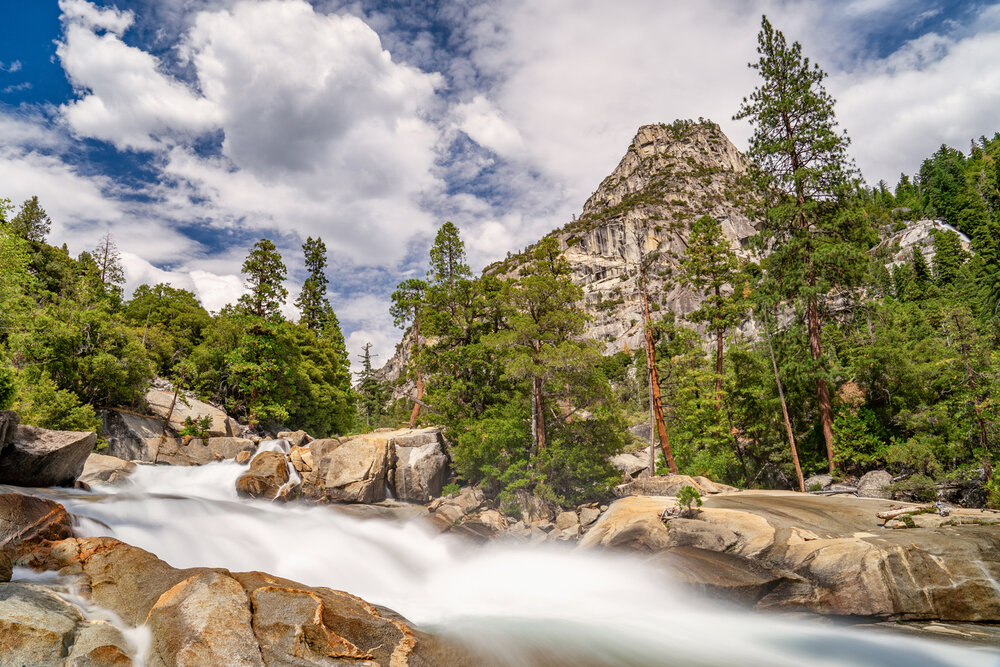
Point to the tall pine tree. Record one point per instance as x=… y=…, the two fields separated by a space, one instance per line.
x=801 y=169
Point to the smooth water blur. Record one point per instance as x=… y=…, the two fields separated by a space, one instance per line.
x=518 y=605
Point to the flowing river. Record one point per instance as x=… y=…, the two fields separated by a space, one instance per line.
x=519 y=605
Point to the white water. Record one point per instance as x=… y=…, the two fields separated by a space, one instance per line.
x=540 y=605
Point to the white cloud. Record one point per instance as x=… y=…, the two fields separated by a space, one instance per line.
x=486 y=126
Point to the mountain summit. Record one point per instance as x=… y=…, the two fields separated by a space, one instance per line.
x=670 y=176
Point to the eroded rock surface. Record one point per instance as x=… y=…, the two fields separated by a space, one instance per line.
x=40 y=457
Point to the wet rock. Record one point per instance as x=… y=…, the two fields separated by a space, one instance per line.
x=184 y=452
x=295 y=438
x=875 y=484
x=724 y=576
x=420 y=471
x=100 y=469
x=448 y=511
x=29 y=525
x=40 y=457
x=267 y=474
x=6 y=567
x=244 y=457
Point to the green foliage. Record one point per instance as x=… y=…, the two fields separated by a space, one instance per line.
x=8 y=389
x=196 y=428
x=31 y=223
x=372 y=393
x=41 y=403
x=689 y=498
x=450 y=490
x=170 y=321
x=860 y=439
x=918 y=488
x=265 y=273
x=312 y=302
x=949 y=256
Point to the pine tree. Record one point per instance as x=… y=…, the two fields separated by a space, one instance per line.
x=371 y=393
x=949 y=256
x=265 y=273
x=801 y=169
x=31 y=223
x=921 y=272
x=408 y=303
x=312 y=302
x=711 y=267
x=110 y=270
x=448 y=263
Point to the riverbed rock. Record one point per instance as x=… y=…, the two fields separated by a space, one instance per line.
x=295 y=438
x=30 y=525
x=244 y=457
x=267 y=474
x=183 y=452
x=875 y=484
x=357 y=469
x=228 y=448
x=130 y=436
x=843 y=561
x=818 y=482
x=420 y=469
x=109 y=470
x=588 y=515
x=449 y=511
x=529 y=507
x=670 y=485
x=566 y=520
x=160 y=402
x=301 y=458
x=99 y=644
x=202 y=616
x=36 y=626
x=40 y=457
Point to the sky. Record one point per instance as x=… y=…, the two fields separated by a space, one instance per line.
x=189 y=129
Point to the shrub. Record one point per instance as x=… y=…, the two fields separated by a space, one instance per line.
x=196 y=428
x=450 y=489
x=688 y=497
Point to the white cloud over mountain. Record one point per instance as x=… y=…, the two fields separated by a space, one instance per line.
x=279 y=118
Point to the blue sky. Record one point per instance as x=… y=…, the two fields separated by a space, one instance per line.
x=191 y=128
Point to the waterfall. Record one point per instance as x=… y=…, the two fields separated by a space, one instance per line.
x=519 y=605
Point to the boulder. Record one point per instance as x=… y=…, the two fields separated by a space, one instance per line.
x=566 y=520
x=184 y=452
x=357 y=469
x=267 y=474
x=631 y=464
x=818 y=482
x=204 y=620
x=30 y=525
x=631 y=523
x=295 y=438
x=6 y=567
x=36 y=626
x=588 y=515
x=8 y=427
x=669 y=485
x=244 y=457
x=420 y=471
x=227 y=448
x=530 y=507
x=724 y=576
x=100 y=469
x=130 y=436
x=202 y=616
x=301 y=458
x=448 y=511
x=875 y=484
x=40 y=457
x=99 y=644
x=160 y=402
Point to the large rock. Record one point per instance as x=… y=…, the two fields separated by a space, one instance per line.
x=357 y=469
x=160 y=402
x=8 y=427
x=631 y=464
x=130 y=436
x=40 y=629
x=875 y=484
x=295 y=438
x=184 y=452
x=827 y=555
x=267 y=474
x=670 y=485
x=101 y=469
x=40 y=457
x=204 y=616
x=30 y=525
x=224 y=449
x=420 y=470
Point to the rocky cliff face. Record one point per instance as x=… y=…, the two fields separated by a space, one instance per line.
x=670 y=176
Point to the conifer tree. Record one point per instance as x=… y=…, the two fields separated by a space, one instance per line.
x=265 y=273
x=312 y=302
x=371 y=394
x=921 y=272
x=800 y=167
x=31 y=223
x=711 y=267
x=407 y=307
x=110 y=270
x=949 y=256
x=448 y=263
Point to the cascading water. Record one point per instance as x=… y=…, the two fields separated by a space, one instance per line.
x=519 y=605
